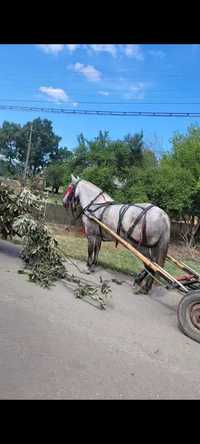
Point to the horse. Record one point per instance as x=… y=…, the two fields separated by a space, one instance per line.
x=145 y=226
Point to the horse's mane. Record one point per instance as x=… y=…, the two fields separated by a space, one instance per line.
x=96 y=188
x=91 y=184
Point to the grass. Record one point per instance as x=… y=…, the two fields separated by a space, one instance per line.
x=56 y=199
x=118 y=259
x=109 y=257
x=53 y=198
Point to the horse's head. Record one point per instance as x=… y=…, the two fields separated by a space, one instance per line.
x=70 y=198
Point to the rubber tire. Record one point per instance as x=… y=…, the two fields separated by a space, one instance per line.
x=184 y=321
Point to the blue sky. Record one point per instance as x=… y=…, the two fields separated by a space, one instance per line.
x=110 y=77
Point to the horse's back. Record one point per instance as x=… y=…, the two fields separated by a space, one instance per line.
x=156 y=221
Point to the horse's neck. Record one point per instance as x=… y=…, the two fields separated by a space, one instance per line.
x=88 y=193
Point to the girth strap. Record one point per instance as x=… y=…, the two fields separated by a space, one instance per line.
x=122 y=212
x=143 y=213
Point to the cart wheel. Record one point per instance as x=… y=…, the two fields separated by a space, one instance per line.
x=188 y=314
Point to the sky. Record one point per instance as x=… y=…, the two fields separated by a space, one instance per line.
x=103 y=77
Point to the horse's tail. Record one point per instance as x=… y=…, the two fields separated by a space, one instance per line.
x=163 y=243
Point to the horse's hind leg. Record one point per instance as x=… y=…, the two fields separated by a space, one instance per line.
x=149 y=282
x=140 y=277
x=159 y=253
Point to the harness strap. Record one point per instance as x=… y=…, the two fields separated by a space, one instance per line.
x=136 y=221
x=101 y=218
x=122 y=212
x=88 y=206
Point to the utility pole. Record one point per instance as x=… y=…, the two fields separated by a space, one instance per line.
x=28 y=153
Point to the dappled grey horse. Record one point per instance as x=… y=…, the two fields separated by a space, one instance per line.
x=145 y=226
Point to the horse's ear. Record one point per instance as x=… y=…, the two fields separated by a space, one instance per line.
x=74 y=180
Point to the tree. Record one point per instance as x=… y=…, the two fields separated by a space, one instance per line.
x=135 y=145
x=63 y=154
x=44 y=144
x=56 y=175
x=100 y=177
x=173 y=188
x=186 y=150
x=79 y=161
x=9 y=133
x=98 y=149
x=4 y=168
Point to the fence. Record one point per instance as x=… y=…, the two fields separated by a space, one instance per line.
x=59 y=215
x=179 y=228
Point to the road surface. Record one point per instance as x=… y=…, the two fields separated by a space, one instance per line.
x=54 y=346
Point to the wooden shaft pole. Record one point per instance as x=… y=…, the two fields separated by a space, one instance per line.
x=183 y=266
x=126 y=244
x=152 y=265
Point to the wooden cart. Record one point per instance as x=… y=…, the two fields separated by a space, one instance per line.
x=188 y=311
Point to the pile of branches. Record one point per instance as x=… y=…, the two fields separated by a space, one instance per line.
x=22 y=214
x=13 y=205
x=40 y=251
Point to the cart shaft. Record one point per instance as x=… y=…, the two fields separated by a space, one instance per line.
x=152 y=265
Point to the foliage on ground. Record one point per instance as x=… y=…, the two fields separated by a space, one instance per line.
x=44 y=261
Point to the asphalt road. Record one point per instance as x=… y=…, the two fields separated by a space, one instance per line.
x=54 y=346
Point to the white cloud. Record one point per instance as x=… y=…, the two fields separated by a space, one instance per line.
x=133 y=51
x=89 y=71
x=75 y=104
x=72 y=47
x=104 y=93
x=105 y=48
x=136 y=91
x=56 y=94
x=51 y=49
x=157 y=53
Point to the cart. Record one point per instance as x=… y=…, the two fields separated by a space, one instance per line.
x=188 y=311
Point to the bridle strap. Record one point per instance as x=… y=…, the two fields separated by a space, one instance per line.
x=88 y=206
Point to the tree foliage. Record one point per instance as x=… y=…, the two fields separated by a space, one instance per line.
x=14 y=143
x=125 y=168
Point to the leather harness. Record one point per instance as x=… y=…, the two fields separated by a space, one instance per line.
x=123 y=209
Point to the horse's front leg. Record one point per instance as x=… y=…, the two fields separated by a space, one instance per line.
x=97 y=248
x=91 y=249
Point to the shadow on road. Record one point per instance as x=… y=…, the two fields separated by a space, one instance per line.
x=9 y=249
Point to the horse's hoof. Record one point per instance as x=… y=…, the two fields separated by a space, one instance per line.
x=138 y=289
x=91 y=270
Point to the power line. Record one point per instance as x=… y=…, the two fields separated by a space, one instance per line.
x=131 y=102
x=99 y=112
